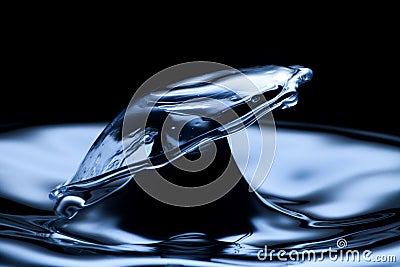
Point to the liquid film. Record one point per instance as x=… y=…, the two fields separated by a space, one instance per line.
x=213 y=105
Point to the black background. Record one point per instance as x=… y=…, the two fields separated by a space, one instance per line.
x=77 y=74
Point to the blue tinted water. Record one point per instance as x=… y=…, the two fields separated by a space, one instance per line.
x=72 y=195
x=323 y=186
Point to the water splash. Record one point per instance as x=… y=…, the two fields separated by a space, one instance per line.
x=327 y=185
x=203 y=100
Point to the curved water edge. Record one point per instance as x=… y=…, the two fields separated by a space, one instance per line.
x=323 y=186
x=165 y=122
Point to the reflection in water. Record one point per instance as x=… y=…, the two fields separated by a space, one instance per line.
x=322 y=186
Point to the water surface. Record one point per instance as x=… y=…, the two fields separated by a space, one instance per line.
x=324 y=185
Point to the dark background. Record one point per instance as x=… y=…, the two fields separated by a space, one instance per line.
x=54 y=76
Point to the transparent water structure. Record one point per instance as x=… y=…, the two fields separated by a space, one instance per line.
x=328 y=188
